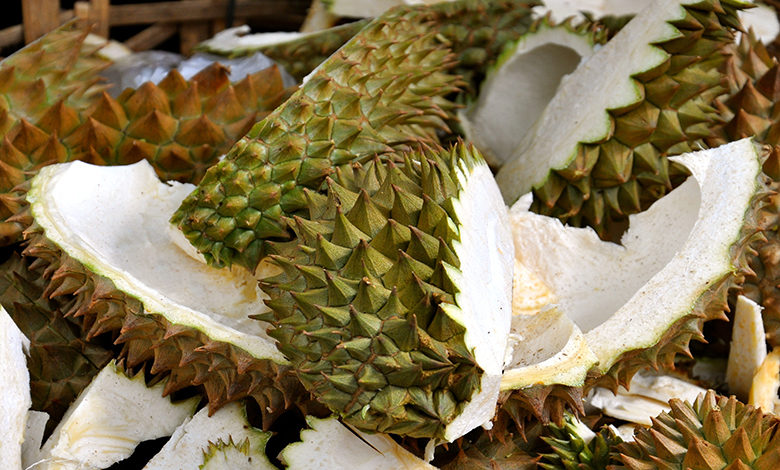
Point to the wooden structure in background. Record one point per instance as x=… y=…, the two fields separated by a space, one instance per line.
x=194 y=20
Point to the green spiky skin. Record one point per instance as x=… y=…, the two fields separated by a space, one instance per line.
x=56 y=72
x=382 y=91
x=628 y=170
x=751 y=109
x=714 y=432
x=180 y=126
x=300 y=56
x=571 y=452
x=377 y=94
x=357 y=307
x=61 y=361
x=180 y=355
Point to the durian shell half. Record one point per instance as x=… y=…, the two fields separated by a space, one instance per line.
x=190 y=332
x=690 y=249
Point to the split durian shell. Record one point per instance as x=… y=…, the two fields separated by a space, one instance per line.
x=382 y=92
x=599 y=150
x=713 y=432
x=679 y=260
x=382 y=307
x=188 y=321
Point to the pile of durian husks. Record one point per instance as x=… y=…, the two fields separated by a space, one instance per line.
x=475 y=234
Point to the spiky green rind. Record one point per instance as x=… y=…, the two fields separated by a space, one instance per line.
x=358 y=307
x=57 y=72
x=714 y=432
x=627 y=170
x=61 y=362
x=299 y=56
x=183 y=356
x=382 y=91
x=180 y=126
x=571 y=452
x=710 y=305
x=245 y=454
x=751 y=109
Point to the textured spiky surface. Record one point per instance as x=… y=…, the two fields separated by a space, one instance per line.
x=180 y=126
x=626 y=170
x=571 y=452
x=714 y=432
x=54 y=75
x=377 y=94
x=182 y=356
x=751 y=109
x=61 y=362
x=362 y=307
x=382 y=91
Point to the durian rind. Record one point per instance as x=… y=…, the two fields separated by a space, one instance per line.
x=383 y=309
x=710 y=246
x=182 y=342
x=225 y=439
x=110 y=418
x=15 y=401
x=595 y=171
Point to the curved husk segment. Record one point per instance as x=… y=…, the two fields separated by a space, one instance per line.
x=639 y=304
x=224 y=440
x=383 y=310
x=608 y=152
x=330 y=444
x=298 y=53
x=713 y=432
x=379 y=93
x=575 y=446
x=114 y=414
x=61 y=361
x=522 y=82
x=16 y=386
x=57 y=72
x=185 y=319
x=180 y=126
x=750 y=110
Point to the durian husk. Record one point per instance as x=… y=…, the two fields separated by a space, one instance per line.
x=713 y=432
x=623 y=170
x=373 y=307
x=61 y=361
x=751 y=109
x=180 y=126
x=548 y=402
x=182 y=356
x=380 y=93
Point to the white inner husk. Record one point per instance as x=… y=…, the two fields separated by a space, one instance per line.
x=519 y=87
x=484 y=303
x=15 y=399
x=328 y=444
x=625 y=297
x=110 y=418
x=186 y=447
x=114 y=220
x=578 y=111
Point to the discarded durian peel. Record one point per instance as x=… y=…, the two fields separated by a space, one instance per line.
x=175 y=312
x=646 y=397
x=15 y=400
x=603 y=287
x=110 y=418
x=329 y=444
x=204 y=439
x=521 y=84
x=748 y=348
